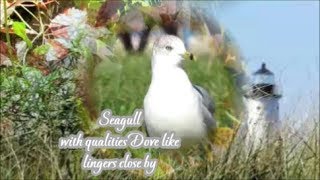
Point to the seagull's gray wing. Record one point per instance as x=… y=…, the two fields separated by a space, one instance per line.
x=207 y=107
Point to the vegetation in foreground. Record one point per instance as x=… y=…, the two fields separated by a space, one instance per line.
x=121 y=86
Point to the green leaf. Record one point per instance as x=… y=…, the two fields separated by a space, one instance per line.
x=233 y=118
x=19 y=28
x=102 y=50
x=41 y=50
x=142 y=3
x=94 y=4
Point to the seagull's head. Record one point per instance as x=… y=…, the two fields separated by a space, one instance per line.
x=170 y=50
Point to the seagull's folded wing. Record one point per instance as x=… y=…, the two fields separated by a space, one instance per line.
x=207 y=107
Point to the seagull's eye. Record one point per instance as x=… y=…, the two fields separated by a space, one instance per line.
x=169 y=48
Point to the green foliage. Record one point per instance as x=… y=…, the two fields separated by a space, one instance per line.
x=19 y=29
x=38 y=104
x=36 y=110
x=121 y=86
x=94 y=4
x=42 y=49
x=214 y=76
x=141 y=3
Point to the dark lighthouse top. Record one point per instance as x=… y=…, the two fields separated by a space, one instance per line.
x=263 y=70
x=263 y=84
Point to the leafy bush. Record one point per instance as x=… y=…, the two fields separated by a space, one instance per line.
x=38 y=104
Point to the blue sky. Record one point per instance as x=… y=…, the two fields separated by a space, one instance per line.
x=285 y=35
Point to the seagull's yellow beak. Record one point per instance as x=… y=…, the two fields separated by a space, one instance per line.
x=188 y=55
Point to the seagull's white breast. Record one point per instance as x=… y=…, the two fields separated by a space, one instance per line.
x=172 y=104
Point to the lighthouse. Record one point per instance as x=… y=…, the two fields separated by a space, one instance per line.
x=262 y=108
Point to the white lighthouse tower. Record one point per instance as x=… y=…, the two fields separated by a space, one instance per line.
x=262 y=103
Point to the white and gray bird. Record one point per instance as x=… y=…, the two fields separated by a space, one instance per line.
x=172 y=103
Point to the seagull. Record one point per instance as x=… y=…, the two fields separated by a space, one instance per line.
x=173 y=103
